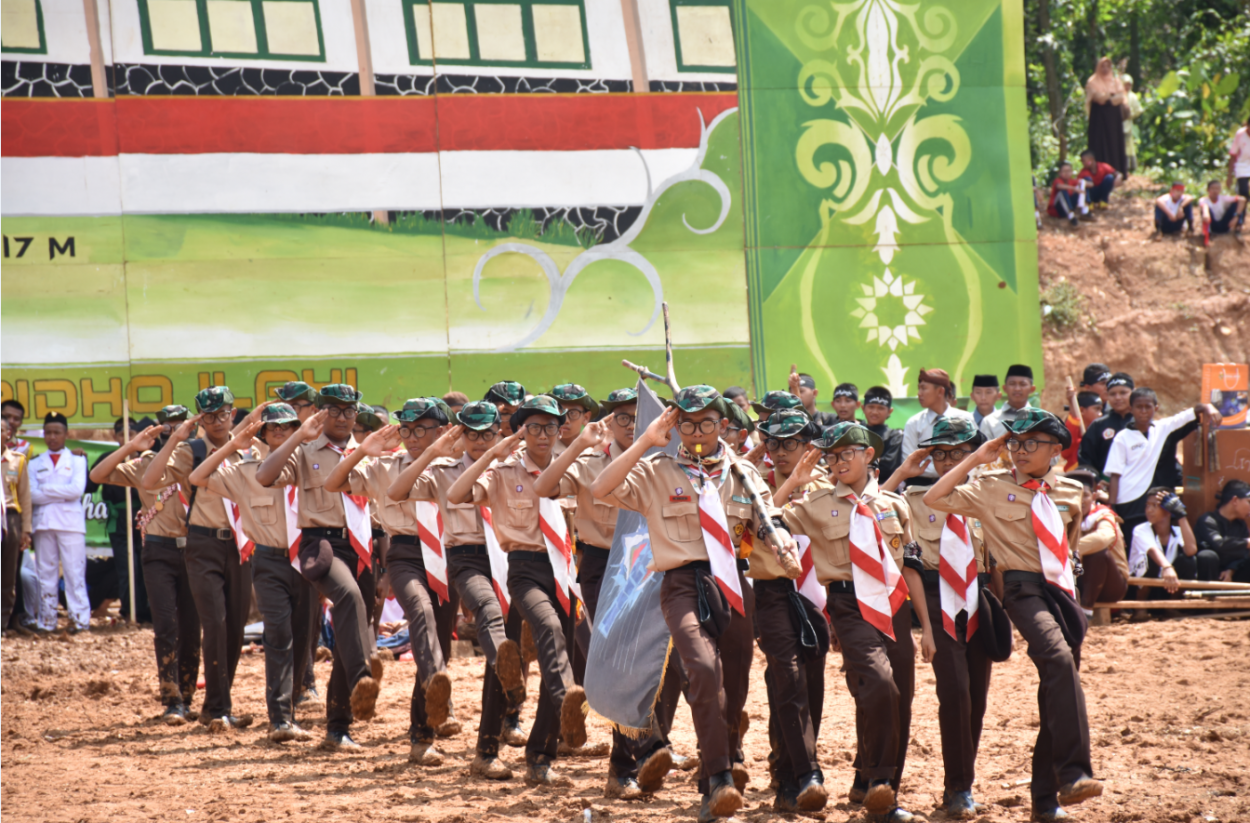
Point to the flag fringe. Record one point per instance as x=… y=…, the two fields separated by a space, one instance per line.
x=638 y=734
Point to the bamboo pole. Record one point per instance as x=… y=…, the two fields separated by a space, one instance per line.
x=1207 y=585
x=130 y=522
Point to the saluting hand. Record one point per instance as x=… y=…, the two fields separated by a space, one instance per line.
x=989 y=450
x=756 y=455
x=312 y=428
x=381 y=441
x=506 y=445
x=591 y=435
x=447 y=442
x=185 y=429
x=255 y=413
x=804 y=471
x=142 y=441
x=912 y=466
x=242 y=440
x=660 y=432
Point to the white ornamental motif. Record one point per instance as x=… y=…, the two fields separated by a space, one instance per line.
x=889 y=289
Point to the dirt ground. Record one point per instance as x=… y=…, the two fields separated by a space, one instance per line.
x=80 y=740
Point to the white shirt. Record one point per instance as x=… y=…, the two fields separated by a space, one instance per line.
x=1172 y=207
x=920 y=428
x=1239 y=148
x=995 y=424
x=56 y=493
x=1218 y=206
x=1134 y=456
x=1145 y=539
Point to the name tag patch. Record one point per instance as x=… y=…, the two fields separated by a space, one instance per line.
x=737 y=498
x=679 y=498
x=1061 y=508
x=884 y=515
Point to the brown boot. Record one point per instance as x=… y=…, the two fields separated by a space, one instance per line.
x=424 y=754
x=573 y=718
x=438 y=699
x=491 y=768
x=364 y=698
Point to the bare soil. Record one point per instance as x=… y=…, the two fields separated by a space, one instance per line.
x=81 y=740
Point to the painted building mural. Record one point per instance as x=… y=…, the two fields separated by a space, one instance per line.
x=418 y=195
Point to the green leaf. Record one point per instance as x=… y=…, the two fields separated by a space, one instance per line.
x=1168 y=85
x=1227 y=84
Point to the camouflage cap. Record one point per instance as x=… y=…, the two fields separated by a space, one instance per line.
x=478 y=416
x=538 y=404
x=296 y=390
x=214 y=398
x=1041 y=421
x=739 y=417
x=787 y=423
x=697 y=398
x=506 y=392
x=619 y=397
x=572 y=393
x=952 y=431
x=278 y=413
x=339 y=394
x=776 y=401
x=368 y=417
x=422 y=407
x=848 y=433
x=172 y=414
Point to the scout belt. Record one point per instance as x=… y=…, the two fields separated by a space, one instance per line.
x=216 y=534
x=167 y=542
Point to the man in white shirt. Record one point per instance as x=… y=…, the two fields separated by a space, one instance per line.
x=936 y=392
x=1019 y=386
x=1174 y=211
x=1219 y=210
x=1239 y=160
x=58 y=480
x=1135 y=453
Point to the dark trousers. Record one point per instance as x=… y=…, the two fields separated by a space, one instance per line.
x=1102 y=581
x=1061 y=753
x=175 y=622
x=962 y=671
x=1204 y=565
x=1100 y=193
x=1065 y=204
x=796 y=685
x=532 y=585
x=353 y=633
x=143 y=611
x=881 y=676
x=411 y=588
x=1167 y=225
x=470 y=573
x=1225 y=224
x=222 y=589
x=713 y=667
x=10 y=554
x=289 y=607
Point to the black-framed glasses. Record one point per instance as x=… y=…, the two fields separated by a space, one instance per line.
x=625 y=420
x=345 y=412
x=689 y=427
x=574 y=413
x=1028 y=446
x=222 y=416
x=300 y=406
x=280 y=426
x=789 y=444
x=950 y=454
x=416 y=432
x=550 y=429
x=482 y=436
x=844 y=455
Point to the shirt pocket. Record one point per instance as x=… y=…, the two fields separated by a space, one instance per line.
x=315 y=496
x=681 y=522
x=264 y=511
x=463 y=517
x=603 y=514
x=521 y=514
x=739 y=518
x=892 y=533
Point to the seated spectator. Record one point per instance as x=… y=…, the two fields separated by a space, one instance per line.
x=878 y=406
x=1101 y=548
x=1226 y=531
x=1089 y=406
x=1164 y=546
x=1219 y=210
x=1100 y=180
x=845 y=402
x=985 y=396
x=1174 y=211
x=1067 y=196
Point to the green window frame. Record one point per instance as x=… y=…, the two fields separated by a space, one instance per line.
x=42 y=48
x=682 y=65
x=531 y=59
x=263 y=49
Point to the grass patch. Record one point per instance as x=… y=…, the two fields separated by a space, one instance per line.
x=1063 y=306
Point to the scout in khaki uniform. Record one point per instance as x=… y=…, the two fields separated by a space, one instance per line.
x=299 y=396
x=220 y=584
x=702 y=576
x=956 y=568
x=334 y=554
x=776 y=401
x=579 y=409
x=370 y=470
x=163 y=523
x=635 y=766
x=17 y=511
x=468 y=568
x=507 y=395
x=286 y=601
x=795 y=673
x=858 y=535
x=1031 y=517
x=508 y=489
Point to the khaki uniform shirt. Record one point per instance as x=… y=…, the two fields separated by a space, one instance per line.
x=462 y=522
x=262 y=510
x=1002 y=506
x=659 y=489
x=1105 y=535
x=371 y=477
x=926 y=528
x=508 y=489
x=17 y=486
x=209 y=510
x=307 y=469
x=170 y=519
x=764 y=564
x=596 y=519
x=825 y=517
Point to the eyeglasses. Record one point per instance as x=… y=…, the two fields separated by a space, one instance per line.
x=574 y=412
x=706 y=426
x=790 y=444
x=299 y=407
x=345 y=412
x=625 y=420
x=483 y=436
x=280 y=426
x=222 y=416
x=550 y=429
x=952 y=454
x=845 y=455
x=1029 y=446
x=416 y=432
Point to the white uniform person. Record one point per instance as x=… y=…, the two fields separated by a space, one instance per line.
x=58 y=480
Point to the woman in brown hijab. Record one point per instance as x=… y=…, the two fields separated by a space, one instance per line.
x=1104 y=102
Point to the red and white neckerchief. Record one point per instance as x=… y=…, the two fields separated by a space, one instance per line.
x=246 y=545
x=290 y=508
x=957 y=575
x=559 y=550
x=879 y=587
x=359 y=524
x=430 y=535
x=721 y=554
x=807 y=584
x=1052 y=540
x=498 y=561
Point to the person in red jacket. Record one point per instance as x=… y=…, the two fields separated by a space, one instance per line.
x=1102 y=179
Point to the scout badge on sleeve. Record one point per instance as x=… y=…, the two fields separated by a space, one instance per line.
x=430 y=533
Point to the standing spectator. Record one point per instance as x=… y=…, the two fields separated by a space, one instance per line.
x=1101 y=547
x=1098 y=436
x=14 y=413
x=1132 y=110
x=1239 y=160
x=985 y=397
x=845 y=402
x=936 y=393
x=1219 y=211
x=1174 y=211
x=1100 y=179
x=455 y=400
x=1104 y=103
x=878 y=406
x=1226 y=531
x=114 y=498
x=1164 y=545
x=1095 y=379
x=1089 y=406
x=1067 y=196
x=17 y=518
x=803 y=386
x=58 y=480
x=738 y=396
x=1019 y=385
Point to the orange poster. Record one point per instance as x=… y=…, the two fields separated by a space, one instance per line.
x=1227 y=387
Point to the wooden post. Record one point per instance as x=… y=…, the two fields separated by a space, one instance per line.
x=99 y=80
x=364 y=59
x=637 y=50
x=130 y=518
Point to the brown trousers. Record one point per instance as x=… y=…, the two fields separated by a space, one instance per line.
x=1061 y=754
x=411 y=588
x=881 y=676
x=10 y=562
x=796 y=686
x=1102 y=581
x=962 y=671
x=354 y=641
x=222 y=589
x=718 y=669
x=532 y=584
